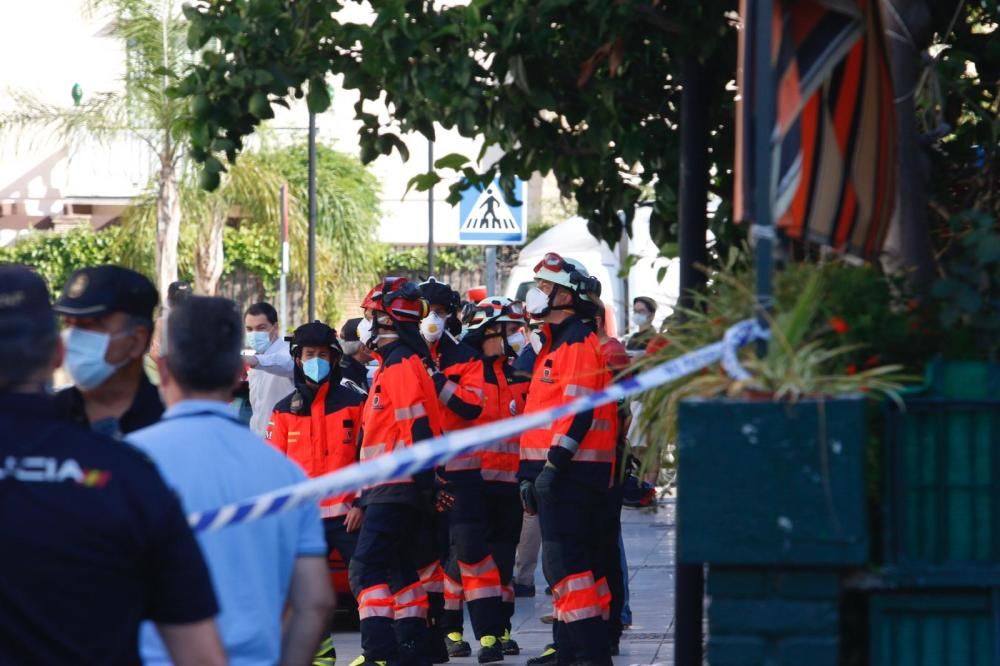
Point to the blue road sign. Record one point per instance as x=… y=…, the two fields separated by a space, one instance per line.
x=485 y=217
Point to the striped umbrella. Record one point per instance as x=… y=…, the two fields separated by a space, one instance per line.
x=832 y=151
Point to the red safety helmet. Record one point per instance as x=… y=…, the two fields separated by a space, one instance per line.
x=400 y=299
x=373 y=298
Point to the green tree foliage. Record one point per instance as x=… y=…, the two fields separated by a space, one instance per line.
x=55 y=255
x=587 y=90
x=958 y=111
x=347 y=214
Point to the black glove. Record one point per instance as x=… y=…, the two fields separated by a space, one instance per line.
x=431 y=366
x=543 y=484
x=528 y=498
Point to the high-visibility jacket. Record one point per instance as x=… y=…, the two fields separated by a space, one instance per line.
x=319 y=429
x=401 y=409
x=459 y=389
x=504 y=394
x=570 y=365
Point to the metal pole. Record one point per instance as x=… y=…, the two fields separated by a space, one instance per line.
x=430 y=211
x=312 y=217
x=693 y=185
x=491 y=270
x=762 y=230
x=283 y=279
x=689 y=582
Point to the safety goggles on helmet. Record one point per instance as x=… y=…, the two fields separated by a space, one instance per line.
x=569 y=274
x=497 y=309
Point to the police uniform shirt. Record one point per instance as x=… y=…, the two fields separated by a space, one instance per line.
x=91 y=542
x=146 y=409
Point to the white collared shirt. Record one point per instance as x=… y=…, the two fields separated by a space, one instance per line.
x=270 y=381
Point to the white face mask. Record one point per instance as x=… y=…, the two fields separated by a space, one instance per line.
x=536 y=341
x=350 y=347
x=365 y=331
x=536 y=302
x=516 y=342
x=432 y=327
x=640 y=318
x=85 y=361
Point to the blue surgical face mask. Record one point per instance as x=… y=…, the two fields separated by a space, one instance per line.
x=316 y=369
x=259 y=341
x=85 y=360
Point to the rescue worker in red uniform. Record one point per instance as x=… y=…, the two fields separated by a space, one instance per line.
x=318 y=426
x=566 y=469
x=401 y=410
x=470 y=571
x=496 y=331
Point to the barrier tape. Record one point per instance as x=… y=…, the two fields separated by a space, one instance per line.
x=433 y=452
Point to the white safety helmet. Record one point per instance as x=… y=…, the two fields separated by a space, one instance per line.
x=497 y=309
x=568 y=273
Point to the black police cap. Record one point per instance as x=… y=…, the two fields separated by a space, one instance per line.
x=24 y=300
x=99 y=290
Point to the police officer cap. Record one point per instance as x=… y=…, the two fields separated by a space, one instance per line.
x=349 y=331
x=99 y=290
x=316 y=334
x=24 y=302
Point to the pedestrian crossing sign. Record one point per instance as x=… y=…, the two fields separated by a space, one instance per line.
x=486 y=218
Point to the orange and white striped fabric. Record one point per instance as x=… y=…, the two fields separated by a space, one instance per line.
x=375 y=601
x=481 y=580
x=580 y=597
x=834 y=146
x=410 y=602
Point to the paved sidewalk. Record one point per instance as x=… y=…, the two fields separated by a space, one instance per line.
x=649 y=546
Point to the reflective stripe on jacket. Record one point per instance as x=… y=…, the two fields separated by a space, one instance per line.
x=504 y=396
x=460 y=395
x=401 y=409
x=569 y=366
x=321 y=436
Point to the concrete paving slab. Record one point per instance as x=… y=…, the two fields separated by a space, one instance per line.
x=649 y=546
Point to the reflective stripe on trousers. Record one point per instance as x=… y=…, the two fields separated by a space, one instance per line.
x=480 y=580
x=452 y=594
x=432 y=577
x=411 y=601
x=577 y=598
x=375 y=601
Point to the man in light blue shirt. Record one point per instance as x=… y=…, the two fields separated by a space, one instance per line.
x=211 y=459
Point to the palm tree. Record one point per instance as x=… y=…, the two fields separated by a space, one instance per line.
x=154 y=35
x=250 y=192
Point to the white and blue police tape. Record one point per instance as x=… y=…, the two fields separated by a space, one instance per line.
x=433 y=452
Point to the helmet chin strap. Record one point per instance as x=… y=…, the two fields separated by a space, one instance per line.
x=376 y=336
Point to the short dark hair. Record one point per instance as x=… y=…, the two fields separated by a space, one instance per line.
x=27 y=325
x=204 y=341
x=647 y=301
x=23 y=352
x=265 y=309
x=177 y=292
